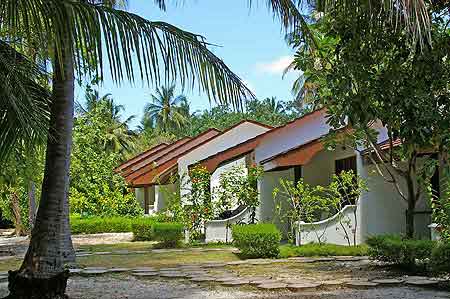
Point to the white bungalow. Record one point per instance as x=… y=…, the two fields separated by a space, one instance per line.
x=150 y=173
x=295 y=150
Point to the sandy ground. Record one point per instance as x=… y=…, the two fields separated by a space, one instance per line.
x=115 y=287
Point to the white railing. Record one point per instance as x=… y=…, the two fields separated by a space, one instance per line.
x=338 y=229
x=220 y=230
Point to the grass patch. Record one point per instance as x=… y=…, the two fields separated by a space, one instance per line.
x=156 y=259
x=131 y=246
x=310 y=250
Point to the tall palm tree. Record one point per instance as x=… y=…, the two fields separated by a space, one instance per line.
x=167 y=112
x=274 y=106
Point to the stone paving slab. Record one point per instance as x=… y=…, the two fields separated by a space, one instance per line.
x=388 y=281
x=145 y=274
x=75 y=270
x=119 y=269
x=225 y=279
x=303 y=286
x=236 y=282
x=93 y=272
x=361 y=284
x=263 y=281
x=95 y=268
x=172 y=274
x=421 y=282
x=202 y=279
x=272 y=286
x=144 y=269
x=332 y=282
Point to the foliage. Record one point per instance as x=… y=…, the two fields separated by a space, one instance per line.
x=366 y=74
x=393 y=249
x=315 y=249
x=305 y=203
x=440 y=257
x=257 y=240
x=197 y=206
x=166 y=112
x=94 y=225
x=441 y=205
x=169 y=234
x=143 y=230
x=238 y=186
x=95 y=189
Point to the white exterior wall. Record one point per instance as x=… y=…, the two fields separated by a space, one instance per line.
x=266 y=211
x=334 y=230
x=140 y=197
x=236 y=135
x=162 y=194
x=292 y=136
x=220 y=230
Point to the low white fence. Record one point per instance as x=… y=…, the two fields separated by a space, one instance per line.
x=220 y=230
x=339 y=229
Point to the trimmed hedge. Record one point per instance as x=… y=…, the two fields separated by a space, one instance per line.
x=257 y=240
x=168 y=234
x=403 y=252
x=440 y=258
x=314 y=249
x=95 y=225
x=142 y=229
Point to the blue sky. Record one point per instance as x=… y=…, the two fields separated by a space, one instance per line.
x=251 y=44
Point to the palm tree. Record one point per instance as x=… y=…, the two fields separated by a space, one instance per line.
x=167 y=112
x=274 y=106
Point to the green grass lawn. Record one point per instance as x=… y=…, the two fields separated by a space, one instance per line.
x=311 y=250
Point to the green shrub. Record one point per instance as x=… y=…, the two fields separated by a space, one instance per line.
x=142 y=229
x=403 y=252
x=314 y=249
x=257 y=240
x=168 y=234
x=440 y=258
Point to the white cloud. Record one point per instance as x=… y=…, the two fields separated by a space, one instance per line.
x=276 y=66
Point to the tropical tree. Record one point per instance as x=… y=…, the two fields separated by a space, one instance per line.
x=118 y=138
x=166 y=112
x=364 y=75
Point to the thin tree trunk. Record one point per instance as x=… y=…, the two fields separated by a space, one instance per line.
x=31 y=203
x=411 y=207
x=15 y=206
x=42 y=273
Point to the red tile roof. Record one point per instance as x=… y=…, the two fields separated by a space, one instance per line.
x=149 y=173
x=212 y=162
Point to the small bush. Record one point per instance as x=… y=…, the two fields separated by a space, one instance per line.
x=257 y=240
x=314 y=249
x=142 y=229
x=403 y=252
x=168 y=234
x=440 y=258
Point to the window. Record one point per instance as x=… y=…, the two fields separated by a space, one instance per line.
x=346 y=164
x=297 y=174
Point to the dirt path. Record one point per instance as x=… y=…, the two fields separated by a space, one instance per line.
x=115 y=287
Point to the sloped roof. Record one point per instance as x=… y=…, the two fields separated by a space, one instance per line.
x=212 y=162
x=149 y=173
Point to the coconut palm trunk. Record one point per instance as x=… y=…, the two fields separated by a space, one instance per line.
x=42 y=273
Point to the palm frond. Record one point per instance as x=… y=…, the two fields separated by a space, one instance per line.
x=157 y=49
x=24 y=103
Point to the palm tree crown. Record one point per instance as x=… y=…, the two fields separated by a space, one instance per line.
x=167 y=111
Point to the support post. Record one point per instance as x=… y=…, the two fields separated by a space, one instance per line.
x=146 y=199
